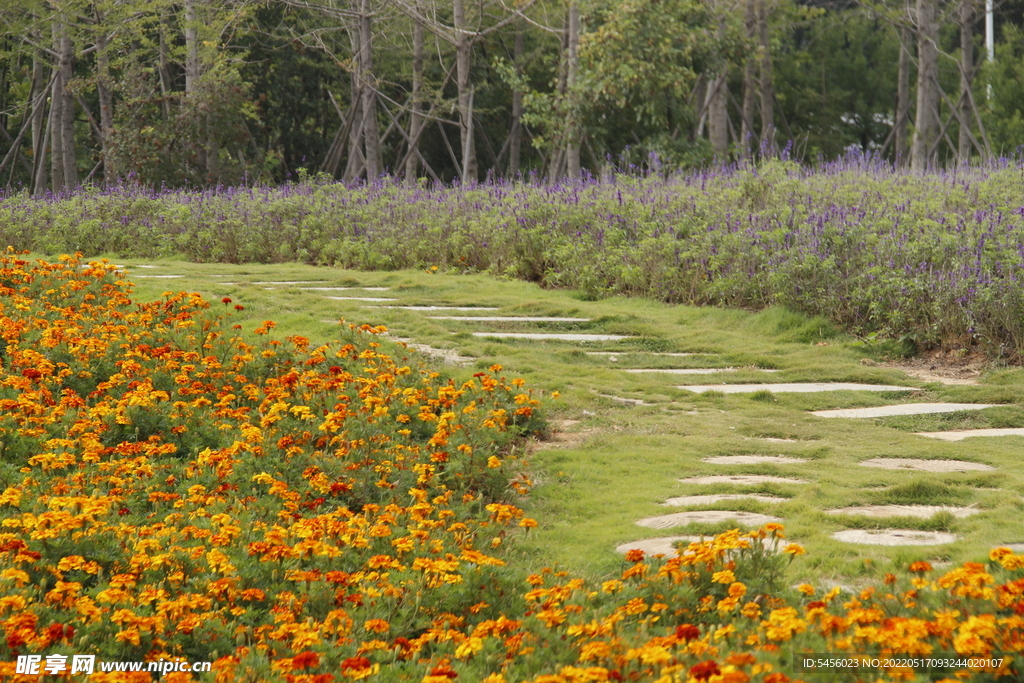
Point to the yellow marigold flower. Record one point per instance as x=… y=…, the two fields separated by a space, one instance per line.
x=806 y=588
x=613 y=586
x=724 y=576
x=737 y=590
x=493 y=462
x=794 y=549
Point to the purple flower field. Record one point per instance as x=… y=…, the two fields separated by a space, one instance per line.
x=932 y=259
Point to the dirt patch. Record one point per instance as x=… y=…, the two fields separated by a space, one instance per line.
x=450 y=356
x=893 y=537
x=938 y=366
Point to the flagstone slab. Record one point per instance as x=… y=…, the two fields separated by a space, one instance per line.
x=646 y=353
x=920 y=511
x=894 y=537
x=706 y=517
x=753 y=460
x=160 y=277
x=344 y=289
x=961 y=434
x=358 y=298
x=741 y=479
x=1017 y=548
x=793 y=387
x=902 y=409
x=286 y=282
x=709 y=499
x=680 y=371
x=552 y=336
x=623 y=399
x=440 y=308
x=925 y=465
x=508 y=319
x=664 y=545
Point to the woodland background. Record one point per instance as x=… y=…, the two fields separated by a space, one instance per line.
x=193 y=93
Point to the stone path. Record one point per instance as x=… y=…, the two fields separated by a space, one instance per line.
x=696 y=493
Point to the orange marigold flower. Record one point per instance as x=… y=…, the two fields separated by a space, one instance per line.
x=377 y=625
x=920 y=567
x=635 y=555
x=794 y=549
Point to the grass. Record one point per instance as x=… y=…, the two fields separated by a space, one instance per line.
x=620 y=462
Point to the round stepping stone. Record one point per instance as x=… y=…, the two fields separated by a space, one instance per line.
x=630 y=401
x=741 y=480
x=706 y=516
x=753 y=460
x=344 y=289
x=893 y=537
x=920 y=511
x=902 y=409
x=358 y=298
x=553 y=337
x=961 y=434
x=657 y=546
x=682 y=371
x=441 y=308
x=508 y=319
x=645 y=353
x=925 y=465
x=680 y=501
x=792 y=387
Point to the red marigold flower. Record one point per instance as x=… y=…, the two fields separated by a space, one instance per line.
x=635 y=555
x=687 y=632
x=355 y=664
x=226 y=300
x=31 y=373
x=443 y=669
x=305 y=660
x=239 y=307
x=705 y=670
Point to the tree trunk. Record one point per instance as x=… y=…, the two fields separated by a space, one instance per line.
x=966 y=78
x=371 y=135
x=572 y=147
x=54 y=126
x=463 y=64
x=110 y=172
x=191 y=47
x=926 y=122
x=718 y=114
x=67 y=129
x=38 y=121
x=516 y=134
x=903 y=100
x=767 y=85
x=39 y=183
x=164 y=68
x=355 y=163
x=749 y=87
x=415 y=118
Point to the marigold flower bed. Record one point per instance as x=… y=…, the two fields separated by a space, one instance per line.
x=323 y=514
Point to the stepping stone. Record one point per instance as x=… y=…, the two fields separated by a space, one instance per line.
x=681 y=371
x=961 y=434
x=507 y=319
x=1017 y=548
x=358 y=298
x=920 y=511
x=646 y=353
x=663 y=545
x=774 y=439
x=630 y=401
x=286 y=282
x=680 y=501
x=706 y=516
x=902 y=409
x=657 y=546
x=741 y=480
x=753 y=460
x=554 y=337
x=144 y=265
x=925 y=465
x=440 y=308
x=893 y=537
x=793 y=387
x=161 y=277
x=343 y=289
